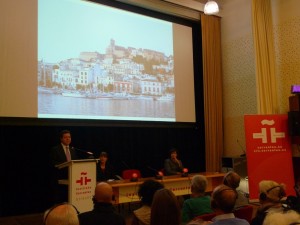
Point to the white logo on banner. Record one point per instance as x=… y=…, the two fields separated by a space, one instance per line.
x=263 y=134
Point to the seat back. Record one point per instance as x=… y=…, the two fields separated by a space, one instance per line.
x=205 y=217
x=244 y=212
x=127 y=174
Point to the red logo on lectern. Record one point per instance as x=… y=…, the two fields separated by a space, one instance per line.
x=84 y=180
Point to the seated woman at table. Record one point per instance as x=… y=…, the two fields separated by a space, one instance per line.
x=146 y=191
x=104 y=170
x=173 y=165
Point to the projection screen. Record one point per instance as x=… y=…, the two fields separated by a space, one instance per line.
x=84 y=60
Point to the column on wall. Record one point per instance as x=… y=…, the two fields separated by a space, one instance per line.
x=264 y=57
x=212 y=82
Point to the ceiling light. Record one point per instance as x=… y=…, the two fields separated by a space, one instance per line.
x=211 y=7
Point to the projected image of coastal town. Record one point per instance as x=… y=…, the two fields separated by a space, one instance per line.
x=96 y=62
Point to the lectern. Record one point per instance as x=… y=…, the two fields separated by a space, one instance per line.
x=81 y=182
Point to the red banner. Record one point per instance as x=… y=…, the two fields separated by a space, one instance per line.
x=269 y=155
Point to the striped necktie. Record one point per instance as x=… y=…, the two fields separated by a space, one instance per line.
x=68 y=155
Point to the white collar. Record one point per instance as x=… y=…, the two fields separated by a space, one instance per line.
x=223 y=216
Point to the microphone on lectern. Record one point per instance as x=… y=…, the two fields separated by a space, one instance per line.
x=125 y=164
x=159 y=175
x=91 y=154
x=134 y=177
x=185 y=172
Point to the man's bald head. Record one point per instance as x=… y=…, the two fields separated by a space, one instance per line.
x=232 y=179
x=103 y=192
x=223 y=198
x=62 y=214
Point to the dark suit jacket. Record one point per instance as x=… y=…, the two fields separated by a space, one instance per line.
x=57 y=156
x=107 y=174
x=103 y=213
x=172 y=168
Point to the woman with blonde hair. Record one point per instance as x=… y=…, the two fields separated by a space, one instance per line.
x=270 y=195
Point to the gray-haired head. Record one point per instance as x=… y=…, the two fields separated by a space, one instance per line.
x=198 y=184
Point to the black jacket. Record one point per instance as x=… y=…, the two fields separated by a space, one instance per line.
x=103 y=213
x=57 y=156
x=104 y=175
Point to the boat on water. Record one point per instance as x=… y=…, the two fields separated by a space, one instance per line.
x=91 y=95
x=104 y=96
x=143 y=97
x=74 y=94
x=46 y=90
x=165 y=98
x=121 y=96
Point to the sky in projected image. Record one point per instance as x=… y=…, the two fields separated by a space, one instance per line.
x=97 y=62
x=68 y=27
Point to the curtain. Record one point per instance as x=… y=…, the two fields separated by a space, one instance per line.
x=267 y=99
x=212 y=79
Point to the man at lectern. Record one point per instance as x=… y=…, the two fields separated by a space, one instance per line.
x=63 y=152
x=60 y=154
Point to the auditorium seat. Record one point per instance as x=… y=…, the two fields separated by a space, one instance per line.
x=205 y=217
x=127 y=174
x=244 y=212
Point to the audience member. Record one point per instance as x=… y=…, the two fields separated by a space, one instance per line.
x=270 y=196
x=297 y=188
x=63 y=214
x=232 y=179
x=199 y=203
x=165 y=208
x=293 y=202
x=222 y=202
x=104 y=170
x=290 y=217
x=173 y=165
x=59 y=154
x=103 y=212
x=146 y=191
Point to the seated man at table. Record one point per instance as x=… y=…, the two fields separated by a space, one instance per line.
x=173 y=165
x=103 y=212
